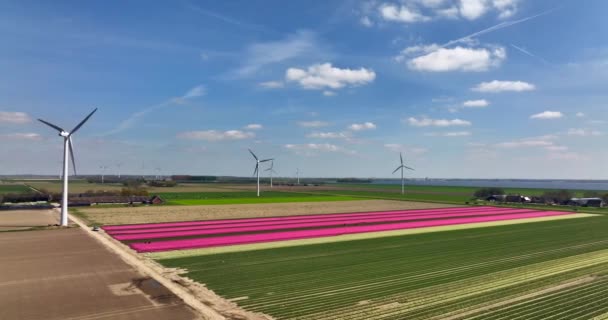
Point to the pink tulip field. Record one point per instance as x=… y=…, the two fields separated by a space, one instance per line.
x=204 y=234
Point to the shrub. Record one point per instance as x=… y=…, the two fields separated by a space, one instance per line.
x=559 y=196
x=483 y=193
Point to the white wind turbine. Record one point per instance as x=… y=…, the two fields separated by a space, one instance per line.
x=103 y=173
x=257 y=167
x=271 y=170
x=298 y=175
x=402 y=166
x=68 y=152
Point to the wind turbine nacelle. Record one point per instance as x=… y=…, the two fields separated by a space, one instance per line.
x=64 y=134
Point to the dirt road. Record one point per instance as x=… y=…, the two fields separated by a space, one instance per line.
x=65 y=274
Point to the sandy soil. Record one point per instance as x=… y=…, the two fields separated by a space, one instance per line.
x=208 y=304
x=27 y=219
x=65 y=274
x=128 y=215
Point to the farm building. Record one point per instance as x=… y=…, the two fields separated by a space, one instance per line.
x=87 y=201
x=156 y=200
x=508 y=198
x=586 y=202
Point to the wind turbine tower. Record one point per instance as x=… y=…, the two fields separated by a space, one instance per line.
x=402 y=166
x=271 y=170
x=103 y=173
x=257 y=167
x=68 y=152
x=298 y=175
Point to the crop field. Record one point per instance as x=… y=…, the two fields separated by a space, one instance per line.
x=14 y=188
x=240 y=197
x=213 y=233
x=549 y=270
x=160 y=214
x=450 y=189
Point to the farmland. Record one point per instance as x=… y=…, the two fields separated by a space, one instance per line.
x=240 y=197
x=434 y=275
x=14 y=188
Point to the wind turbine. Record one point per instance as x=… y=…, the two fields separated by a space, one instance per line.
x=103 y=172
x=402 y=166
x=257 y=167
x=118 y=165
x=68 y=152
x=298 y=175
x=271 y=171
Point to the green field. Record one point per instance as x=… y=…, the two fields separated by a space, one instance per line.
x=14 y=188
x=245 y=197
x=461 y=273
x=454 y=189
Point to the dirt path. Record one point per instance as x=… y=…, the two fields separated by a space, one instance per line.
x=64 y=274
x=198 y=297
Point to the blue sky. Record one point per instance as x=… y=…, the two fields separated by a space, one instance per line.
x=465 y=88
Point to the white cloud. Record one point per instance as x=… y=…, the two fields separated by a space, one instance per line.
x=328 y=135
x=449 y=134
x=195 y=92
x=473 y=9
x=414 y=11
x=324 y=76
x=366 y=21
x=314 y=148
x=328 y=93
x=260 y=55
x=583 y=132
x=427 y=122
x=272 y=84
x=476 y=103
x=542 y=141
x=396 y=147
x=313 y=124
x=213 y=135
x=506 y=8
x=580 y=114
x=14 y=117
x=458 y=59
x=496 y=86
x=547 y=115
x=391 y=12
x=20 y=136
x=556 y=148
x=362 y=126
x=254 y=126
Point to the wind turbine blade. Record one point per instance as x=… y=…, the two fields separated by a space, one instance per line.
x=397 y=169
x=82 y=122
x=72 y=155
x=51 y=125
x=256 y=169
x=401 y=157
x=266 y=160
x=408 y=168
x=253 y=154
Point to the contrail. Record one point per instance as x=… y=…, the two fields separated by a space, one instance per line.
x=526 y=52
x=499 y=26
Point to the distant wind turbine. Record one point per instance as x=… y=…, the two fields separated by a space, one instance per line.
x=118 y=165
x=103 y=173
x=271 y=170
x=257 y=167
x=402 y=166
x=68 y=152
x=298 y=175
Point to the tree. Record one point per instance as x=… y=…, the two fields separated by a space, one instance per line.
x=483 y=193
x=559 y=196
